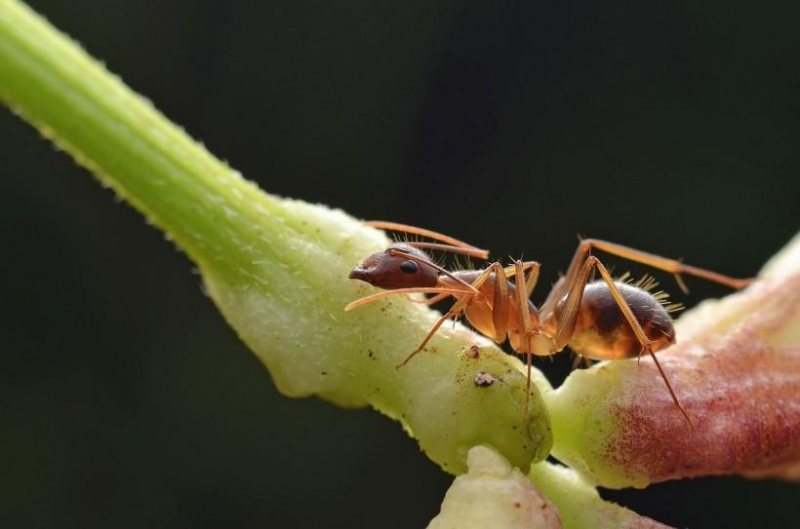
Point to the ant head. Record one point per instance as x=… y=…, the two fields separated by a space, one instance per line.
x=399 y=266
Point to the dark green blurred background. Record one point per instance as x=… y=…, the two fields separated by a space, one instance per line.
x=125 y=401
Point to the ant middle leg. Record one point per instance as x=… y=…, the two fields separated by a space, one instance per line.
x=524 y=287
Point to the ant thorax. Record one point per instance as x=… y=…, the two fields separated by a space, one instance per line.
x=483 y=312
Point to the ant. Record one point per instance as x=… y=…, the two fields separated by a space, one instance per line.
x=599 y=320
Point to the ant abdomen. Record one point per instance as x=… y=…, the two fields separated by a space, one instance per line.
x=603 y=333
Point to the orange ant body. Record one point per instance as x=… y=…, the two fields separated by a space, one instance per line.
x=599 y=320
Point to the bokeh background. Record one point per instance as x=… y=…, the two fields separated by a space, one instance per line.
x=125 y=401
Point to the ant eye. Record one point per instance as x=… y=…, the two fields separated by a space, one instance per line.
x=409 y=267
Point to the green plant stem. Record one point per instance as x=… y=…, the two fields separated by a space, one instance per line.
x=122 y=139
x=276 y=268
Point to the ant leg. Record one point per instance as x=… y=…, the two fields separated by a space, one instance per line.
x=501 y=307
x=452 y=313
x=528 y=282
x=527 y=273
x=509 y=271
x=662 y=263
x=569 y=314
x=640 y=334
x=524 y=288
x=456 y=310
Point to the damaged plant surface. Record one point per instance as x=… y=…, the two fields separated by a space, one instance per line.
x=734 y=368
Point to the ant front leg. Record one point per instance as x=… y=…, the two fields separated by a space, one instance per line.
x=454 y=313
x=464 y=298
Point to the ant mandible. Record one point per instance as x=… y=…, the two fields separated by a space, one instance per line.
x=599 y=320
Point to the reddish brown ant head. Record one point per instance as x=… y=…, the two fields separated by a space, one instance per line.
x=399 y=266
